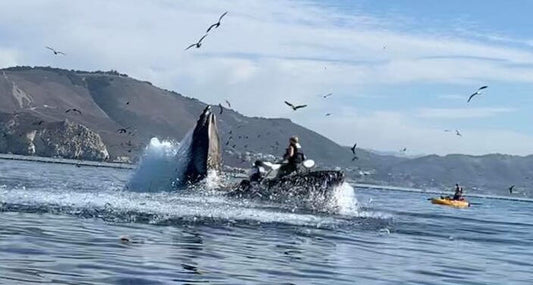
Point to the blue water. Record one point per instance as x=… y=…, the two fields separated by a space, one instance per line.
x=63 y=224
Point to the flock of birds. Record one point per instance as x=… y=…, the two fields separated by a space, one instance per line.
x=294 y=107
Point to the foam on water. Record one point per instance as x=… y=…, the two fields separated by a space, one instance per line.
x=163 y=207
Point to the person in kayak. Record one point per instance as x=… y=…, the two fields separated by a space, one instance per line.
x=258 y=171
x=292 y=158
x=458 y=193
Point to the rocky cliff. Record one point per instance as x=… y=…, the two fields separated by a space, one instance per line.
x=24 y=134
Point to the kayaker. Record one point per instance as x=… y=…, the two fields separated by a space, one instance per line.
x=292 y=158
x=458 y=193
x=257 y=173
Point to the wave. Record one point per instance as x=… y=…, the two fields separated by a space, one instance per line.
x=187 y=206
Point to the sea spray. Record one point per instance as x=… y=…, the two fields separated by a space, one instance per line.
x=162 y=166
x=343 y=200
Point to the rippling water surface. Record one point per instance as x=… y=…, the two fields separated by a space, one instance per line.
x=63 y=224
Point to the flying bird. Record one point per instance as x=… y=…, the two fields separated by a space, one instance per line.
x=354 y=158
x=228 y=103
x=328 y=114
x=221 y=108
x=447 y=131
x=458 y=133
x=73 y=110
x=294 y=108
x=217 y=24
x=122 y=131
x=478 y=92
x=56 y=52
x=403 y=149
x=327 y=95
x=511 y=189
x=198 y=44
x=353 y=148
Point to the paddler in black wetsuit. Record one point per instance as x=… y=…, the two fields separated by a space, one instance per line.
x=292 y=158
x=458 y=193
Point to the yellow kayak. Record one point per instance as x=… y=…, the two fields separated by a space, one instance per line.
x=450 y=202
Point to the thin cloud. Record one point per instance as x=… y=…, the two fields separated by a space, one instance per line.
x=285 y=60
x=461 y=113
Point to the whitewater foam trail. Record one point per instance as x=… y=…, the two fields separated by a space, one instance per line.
x=162 y=166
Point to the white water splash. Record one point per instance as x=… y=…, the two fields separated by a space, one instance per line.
x=344 y=200
x=162 y=165
x=213 y=180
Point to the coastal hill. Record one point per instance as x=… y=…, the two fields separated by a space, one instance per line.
x=35 y=121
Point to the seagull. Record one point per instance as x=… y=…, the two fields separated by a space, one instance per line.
x=221 y=108
x=478 y=92
x=198 y=44
x=56 y=52
x=328 y=114
x=217 y=24
x=327 y=95
x=74 y=110
x=353 y=148
x=403 y=149
x=458 y=133
x=127 y=103
x=447 y=131
x=511 y=189
x=354 y=158
x=122 y=131
x=228 y=103
x=294 y=108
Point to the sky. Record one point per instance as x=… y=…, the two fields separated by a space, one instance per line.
x=400 y=71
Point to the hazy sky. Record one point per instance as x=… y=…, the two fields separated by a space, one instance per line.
x=400 y=71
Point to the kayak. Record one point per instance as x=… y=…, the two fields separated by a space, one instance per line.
x=450 y=202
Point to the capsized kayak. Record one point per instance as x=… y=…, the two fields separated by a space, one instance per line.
x=450 y=202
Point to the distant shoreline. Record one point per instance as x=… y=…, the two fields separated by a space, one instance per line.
x=438 y=192
x=4 y=156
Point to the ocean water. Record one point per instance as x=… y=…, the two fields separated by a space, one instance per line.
x=63 y=224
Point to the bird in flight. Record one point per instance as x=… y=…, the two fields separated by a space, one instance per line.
x=355 y=157
x=294 y=108
x=56 y=52
x=122 y=131
x=228 y=103
x=478 y=92
x=73 y=110
x=198 y=44
x=353 y=148
x=458 y=133
x=328 y=114
x=217 y=24
x=327 y=95
x=403 y=149
x=511 y=189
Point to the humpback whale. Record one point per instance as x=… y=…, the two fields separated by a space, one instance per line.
x=205 y=153
x=166 y=166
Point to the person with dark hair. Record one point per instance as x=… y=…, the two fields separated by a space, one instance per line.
x=458 y=195
x=292 y=158
x=257 y=172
